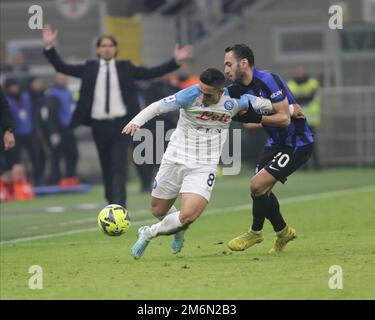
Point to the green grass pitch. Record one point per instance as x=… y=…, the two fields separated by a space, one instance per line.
x=333 y=212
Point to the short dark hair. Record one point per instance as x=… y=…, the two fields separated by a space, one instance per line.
x=106 y=36
x=242 y=51
x=212 y=77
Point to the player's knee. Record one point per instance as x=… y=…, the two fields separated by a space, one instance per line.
x=187 y=218
x=256 y=188
x=157 y=211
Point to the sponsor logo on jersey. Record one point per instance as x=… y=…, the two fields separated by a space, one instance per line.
x=169 y=99
x=228 y=105
x=276 y=94
x=212 y=116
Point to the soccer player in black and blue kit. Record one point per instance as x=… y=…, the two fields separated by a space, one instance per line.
x=289 y=145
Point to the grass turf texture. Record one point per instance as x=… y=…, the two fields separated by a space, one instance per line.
x=334 y=228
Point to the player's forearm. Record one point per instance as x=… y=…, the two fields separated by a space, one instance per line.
x=265 y=106
x=251 y=126
x=147 y=114
x=281 y=117
x=281 y=120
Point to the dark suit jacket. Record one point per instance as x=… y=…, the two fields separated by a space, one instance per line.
x=127 y=74
x=6 y=120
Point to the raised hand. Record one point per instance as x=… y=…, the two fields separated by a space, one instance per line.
x=182 y=53
x=9 y=141
x=49 y=36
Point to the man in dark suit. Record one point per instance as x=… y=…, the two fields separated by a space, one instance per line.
x=6 y=124
x=7 y=140
x=108 y=100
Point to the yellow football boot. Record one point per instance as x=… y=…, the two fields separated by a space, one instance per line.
x=245 y=241
x=288 y=234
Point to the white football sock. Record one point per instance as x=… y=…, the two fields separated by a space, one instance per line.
x=169 y=225
x=178 y=234
x=171 y=210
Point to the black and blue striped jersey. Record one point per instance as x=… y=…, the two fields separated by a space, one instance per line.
x=270 y=86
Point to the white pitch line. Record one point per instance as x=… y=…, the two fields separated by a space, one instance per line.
x=65 y=233
x=77 y=221
x=88 y=206
x=55 y=209
x=211 y=211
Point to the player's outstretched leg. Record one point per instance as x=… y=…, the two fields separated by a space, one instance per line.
x=169 y=225
x=282 y=239
x=140 y=246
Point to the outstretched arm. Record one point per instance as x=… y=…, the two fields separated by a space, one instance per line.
x=148 y=113
x=181 y=54
x=49 y=37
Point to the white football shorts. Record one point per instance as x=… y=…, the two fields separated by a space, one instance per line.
x=173 y=179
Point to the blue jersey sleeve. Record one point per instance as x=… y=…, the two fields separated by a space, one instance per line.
x=181 y=99
x=186 y=97
x=275 y=88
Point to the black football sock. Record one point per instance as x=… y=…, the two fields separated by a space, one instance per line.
x=274 y=214
x=260 y=208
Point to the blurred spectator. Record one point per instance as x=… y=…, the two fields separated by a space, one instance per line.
x=185 y=78
x=22 y=189
x=6 y=124
x=36 y=90
x=21 y=109
x=60 y=105
x=7 y=140
x=306 y=92
x=18 y=69
x=14 y=185
x=6 y=187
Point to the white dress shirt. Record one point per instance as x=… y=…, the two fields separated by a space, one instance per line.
x=117 y=107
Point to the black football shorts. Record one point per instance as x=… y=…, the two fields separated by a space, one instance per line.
x=281 y=162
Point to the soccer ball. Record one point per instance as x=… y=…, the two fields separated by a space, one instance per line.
x=113 y=220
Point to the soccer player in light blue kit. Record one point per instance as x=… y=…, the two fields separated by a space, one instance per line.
x=189 y=164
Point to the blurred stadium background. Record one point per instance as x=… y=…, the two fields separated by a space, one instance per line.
x=334 y=207
x=283 y=34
